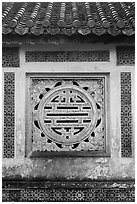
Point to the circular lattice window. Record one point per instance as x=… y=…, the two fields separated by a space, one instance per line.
x=67 y=115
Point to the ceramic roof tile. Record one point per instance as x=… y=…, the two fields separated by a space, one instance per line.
x=69 y=18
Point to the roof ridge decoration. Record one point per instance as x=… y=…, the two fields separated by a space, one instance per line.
x=69 y=18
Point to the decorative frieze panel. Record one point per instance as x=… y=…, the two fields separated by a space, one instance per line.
x=125 y=55
x=72 y=191
x=126 y=115
x=9 y=86
x=69 y=195
x=69 y=56
x=68 y=115
x=10 y=57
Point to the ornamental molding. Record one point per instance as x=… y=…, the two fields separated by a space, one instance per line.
x=67 y=114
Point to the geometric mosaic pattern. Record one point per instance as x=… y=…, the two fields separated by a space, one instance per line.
x=126 y=115
x=125 y=55
x=69 y=56
x=9 y=117
x=10 y=57
x=114 y=192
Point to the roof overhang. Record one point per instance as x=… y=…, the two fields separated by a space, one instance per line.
x=49 y=21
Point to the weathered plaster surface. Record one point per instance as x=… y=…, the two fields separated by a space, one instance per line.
x=85 y=168
x=69 y=169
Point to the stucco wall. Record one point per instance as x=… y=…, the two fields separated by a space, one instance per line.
x=66 y=168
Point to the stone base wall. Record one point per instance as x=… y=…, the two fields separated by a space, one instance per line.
x=94 y=191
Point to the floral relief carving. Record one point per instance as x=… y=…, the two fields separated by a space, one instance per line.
x=68 y=114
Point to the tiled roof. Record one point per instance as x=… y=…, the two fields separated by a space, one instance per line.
x=69 y=18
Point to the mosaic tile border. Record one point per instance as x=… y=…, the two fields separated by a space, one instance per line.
x=10 y=57
x=94 y=191
x=9 y=114
x=68 y=56
x=125 y=55
x=126 y=115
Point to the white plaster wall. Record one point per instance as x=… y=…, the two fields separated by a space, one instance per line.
x=110 y=167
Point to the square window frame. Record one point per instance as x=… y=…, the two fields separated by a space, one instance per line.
x=41 y=154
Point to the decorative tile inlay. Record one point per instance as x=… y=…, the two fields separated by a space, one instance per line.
x=9 y=88
x=68 y=115
x=10 y=57
x=125 y=55
x=95 y=191
x=126 y=115
x=70 y=56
